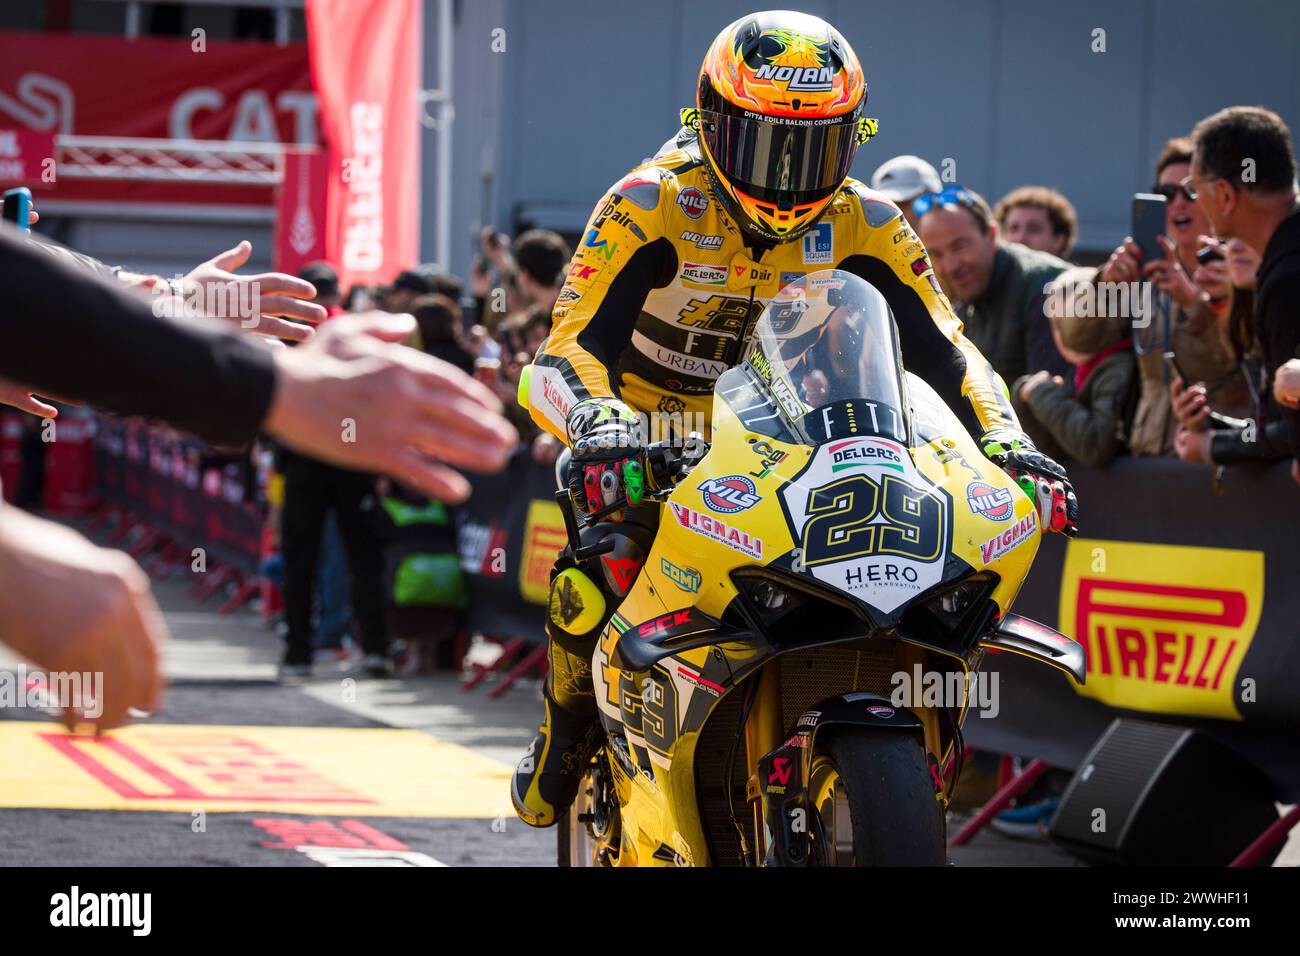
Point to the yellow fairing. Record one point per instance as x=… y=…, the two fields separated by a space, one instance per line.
x=1006 y=546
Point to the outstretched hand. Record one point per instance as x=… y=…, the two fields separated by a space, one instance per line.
x=262 y=304
x=354 y=397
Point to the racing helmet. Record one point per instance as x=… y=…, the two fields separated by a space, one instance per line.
x=779 y=115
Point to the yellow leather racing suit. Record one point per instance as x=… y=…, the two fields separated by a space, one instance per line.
x=663 y=291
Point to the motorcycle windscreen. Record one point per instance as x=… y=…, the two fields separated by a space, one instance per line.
x=827 y=348
x=865 y=519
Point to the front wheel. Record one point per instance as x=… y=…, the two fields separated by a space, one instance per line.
x=873 y=801
x=587 y=833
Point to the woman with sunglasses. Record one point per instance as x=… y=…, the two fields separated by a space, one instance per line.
x=1184 y=322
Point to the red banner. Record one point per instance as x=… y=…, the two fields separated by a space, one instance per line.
x=164 y=89
x=26 y=158
x=365 y=64
x=300 y=212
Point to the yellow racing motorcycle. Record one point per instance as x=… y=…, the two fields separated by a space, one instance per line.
x=839 y=542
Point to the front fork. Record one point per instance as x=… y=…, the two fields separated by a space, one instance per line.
x=762 y=737
x=776 y=788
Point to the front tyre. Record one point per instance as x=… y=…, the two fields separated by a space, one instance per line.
x=573 y=843
x=872 y=801
x=587 y=834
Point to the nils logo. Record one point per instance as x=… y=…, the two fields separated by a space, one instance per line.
x=993 y=503
x=729 y=494
x=1165 y=627
x=693 y=202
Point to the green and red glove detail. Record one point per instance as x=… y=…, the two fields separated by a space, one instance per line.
x=605 y=436
x=1042 y=479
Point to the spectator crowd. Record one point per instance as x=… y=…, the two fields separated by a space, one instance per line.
x=1189 y=347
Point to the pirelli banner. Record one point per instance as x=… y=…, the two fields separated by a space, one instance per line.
x=1188 y=605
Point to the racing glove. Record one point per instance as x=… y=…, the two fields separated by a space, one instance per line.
x=605 y=436
x=1042 y=479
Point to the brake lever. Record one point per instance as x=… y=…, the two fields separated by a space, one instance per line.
x=615 y=506
x=594 y=550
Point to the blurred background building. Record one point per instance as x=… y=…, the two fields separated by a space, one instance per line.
x=547 y=102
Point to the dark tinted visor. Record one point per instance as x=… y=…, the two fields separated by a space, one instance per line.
x=778 y=162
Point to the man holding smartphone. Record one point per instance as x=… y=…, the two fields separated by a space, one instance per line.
x=1184 y=321
x=1243 y=178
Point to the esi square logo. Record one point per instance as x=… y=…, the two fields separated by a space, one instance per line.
x=819 y=245
x=984 y=499
x=729 y=494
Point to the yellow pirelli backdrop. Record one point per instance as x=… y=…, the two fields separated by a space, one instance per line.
x=1165 y=627
x=544 y=537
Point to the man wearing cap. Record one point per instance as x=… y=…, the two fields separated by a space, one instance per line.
x=902 y=179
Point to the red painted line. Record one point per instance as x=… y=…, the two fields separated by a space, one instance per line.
x=381 y=840
x=181 y=790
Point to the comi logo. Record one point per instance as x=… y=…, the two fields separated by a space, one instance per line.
x=995 y=504
x=688 y=579
x=729 y=494
x=1166 y=627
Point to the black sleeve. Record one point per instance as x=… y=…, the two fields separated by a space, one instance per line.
x=926 y=351
x=609 y=330
x=1236 y=446
x=65 y=332
x=71 y=256
x=1279 y=327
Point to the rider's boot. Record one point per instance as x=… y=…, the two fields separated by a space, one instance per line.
x=547 y=778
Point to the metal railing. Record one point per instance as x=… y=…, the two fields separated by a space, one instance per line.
x=171 y=160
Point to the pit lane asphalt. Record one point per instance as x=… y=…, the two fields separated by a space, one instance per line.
x=221 y=674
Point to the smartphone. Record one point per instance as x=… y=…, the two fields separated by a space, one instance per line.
x=1149 y=222
x=1171 y=363
x=18 y=207
x=1207 y=254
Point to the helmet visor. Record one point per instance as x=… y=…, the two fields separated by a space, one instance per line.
x=787 y=163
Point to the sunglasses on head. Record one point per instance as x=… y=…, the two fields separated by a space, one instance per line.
x=953 y=195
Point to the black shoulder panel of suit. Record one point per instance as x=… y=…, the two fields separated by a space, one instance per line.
x=609 y=330
x=926 y=351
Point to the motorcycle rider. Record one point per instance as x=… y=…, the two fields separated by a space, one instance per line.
x=678 y=260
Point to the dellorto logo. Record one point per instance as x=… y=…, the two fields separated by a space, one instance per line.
x=1165 y=627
